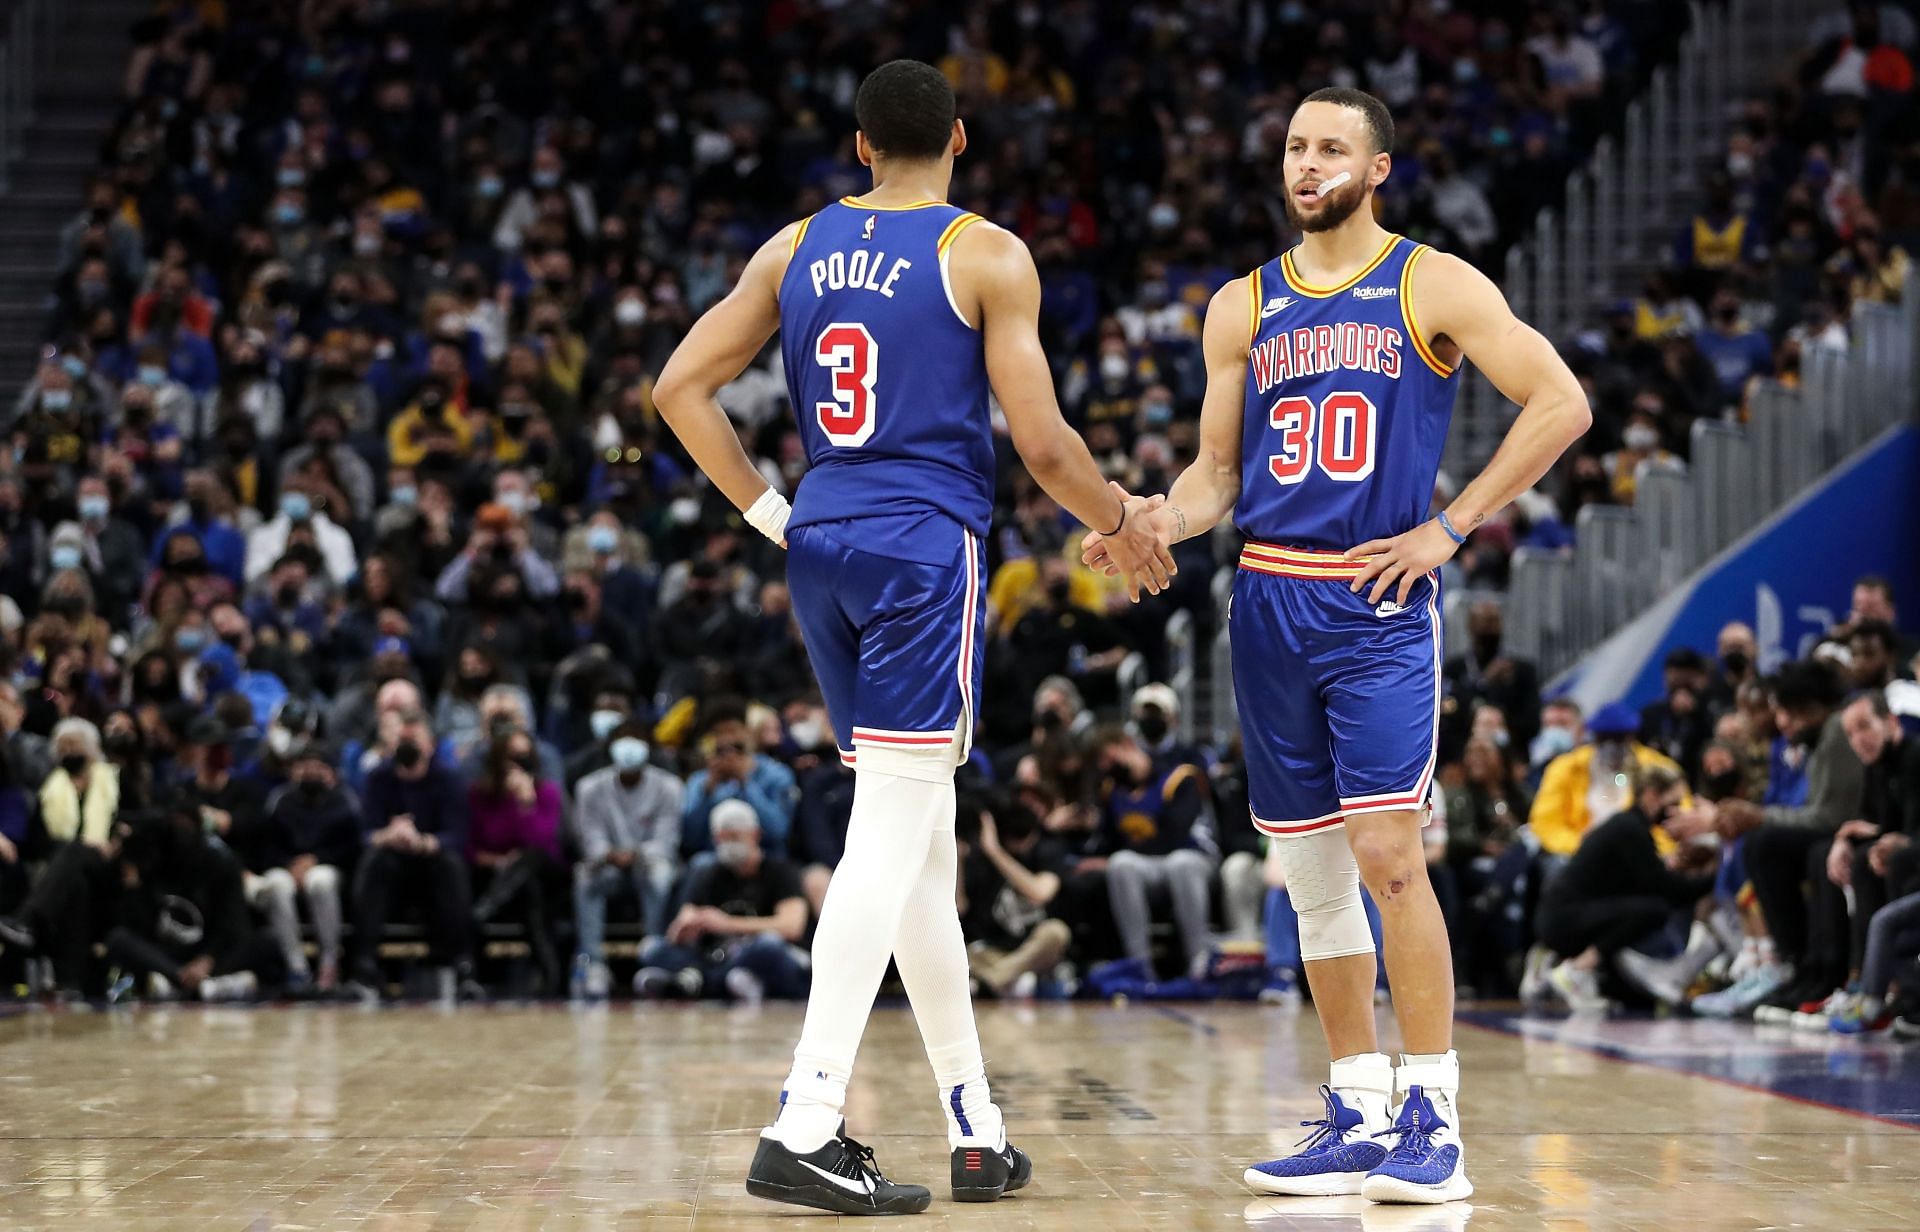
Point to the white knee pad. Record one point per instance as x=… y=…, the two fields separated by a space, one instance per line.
x=1324 y=884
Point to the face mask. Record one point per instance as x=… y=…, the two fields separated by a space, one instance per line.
x=312 y=789
x=513 y=502
x=407 y=756
x=1722 y=785
x=190 y=641
x=151 y=374
x=1640 y=437
x=1153 y=727
x=291 y=177
x=1163 y=216
x=1486 y=646
x=1059 y=590
x=73 y=763
x=602 y=722
x=629 y=753
x=406 y=496
x=121 y=745
x=94 y=508
x=289 y=213
x=1157 y=414
x=733 y=853
x=602 y=540
x=630 y=312
x=489 y=187
x=1549 y=744
x=279 y=740
x=1465 y=71
x=807 y=734
x=1113 y=367
x=1736 y=662
x=66 y=556
x=56 y=399
x=298 y=506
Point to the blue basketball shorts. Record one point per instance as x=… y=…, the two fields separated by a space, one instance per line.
x=898 y=646
x=1339 y=699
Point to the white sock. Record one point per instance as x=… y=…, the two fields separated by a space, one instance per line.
x=1437 y=1075
x=932 y=956
x=887 y=838
x=1364 y=1082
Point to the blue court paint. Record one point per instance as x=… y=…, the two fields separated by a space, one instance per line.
x=1870 y=1076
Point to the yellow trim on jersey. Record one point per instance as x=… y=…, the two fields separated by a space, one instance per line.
x=1293 y=276
x=953 y=231
x=1181 y=774
x=1253 y=301
x=1413 y=325
x=1299 y=562
x=858 y=204
x=799 y=233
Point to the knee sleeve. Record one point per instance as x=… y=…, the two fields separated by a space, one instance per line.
x=1323 y=883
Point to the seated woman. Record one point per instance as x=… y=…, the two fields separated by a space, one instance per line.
x=515 y=845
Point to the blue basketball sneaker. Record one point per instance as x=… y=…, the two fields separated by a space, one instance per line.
x=1425 y=1165
x=1334 y=1158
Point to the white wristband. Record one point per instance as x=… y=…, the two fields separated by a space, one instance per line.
x=769 y=515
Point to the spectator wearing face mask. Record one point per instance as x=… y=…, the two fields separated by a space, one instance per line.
x=325 y=432
x=1155 y=712
x=1618 y=890
x=1156 y=840
x=610 y=706
x=222 y=550
x=582 y=618
x=431 y=429
x=738 y=934
x=109 y=547
x=514 y=846
x=310 y=844
x=81 y=796
x=1736 y=351
x=736 y=770
x=1487 y=673
x=628 y=824
x=1787 y=844
x=1061 y=638
x=1679 y=724
x=1736 y=653
x=29 y=755
x=500 y=543
x=1641 y=452
x=1593 y=780
x=298 y=509
x=414 y=820
x=1010 y=873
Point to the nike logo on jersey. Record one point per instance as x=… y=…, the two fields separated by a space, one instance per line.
x=1388 y=608
x=1275 y=305
x=1375 y=292
x=866 y=232
x=863 y=1186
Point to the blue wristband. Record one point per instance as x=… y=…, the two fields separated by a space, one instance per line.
x=1446 y=524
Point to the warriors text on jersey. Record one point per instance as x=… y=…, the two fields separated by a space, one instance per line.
x=1346 y=407
x=888 y=379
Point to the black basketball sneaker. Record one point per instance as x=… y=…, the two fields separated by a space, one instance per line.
x=980 y=1175
x=840 y=1177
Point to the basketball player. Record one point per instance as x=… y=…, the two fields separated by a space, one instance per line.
x=896 y=312
x=1330 y=384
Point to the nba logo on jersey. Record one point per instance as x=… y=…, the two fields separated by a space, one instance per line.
x=866 y=232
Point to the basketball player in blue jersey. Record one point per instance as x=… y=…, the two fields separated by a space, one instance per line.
x=1330 y=381
x=897 y=312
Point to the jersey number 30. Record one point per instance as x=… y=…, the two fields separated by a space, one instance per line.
x=850 y=353
x=1342 y=426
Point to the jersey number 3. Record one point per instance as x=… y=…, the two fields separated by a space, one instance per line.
x=850 y=353
x=1343 y=425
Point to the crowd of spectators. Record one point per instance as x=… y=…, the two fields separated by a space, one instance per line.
x=353 y=592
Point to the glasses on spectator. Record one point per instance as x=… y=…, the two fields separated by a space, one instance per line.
x=730 y=747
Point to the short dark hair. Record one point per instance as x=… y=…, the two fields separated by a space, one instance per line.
x=1876 y=700
x=1379 y=119
x=1805 y=685
x=906 y=109
x=1877 y=631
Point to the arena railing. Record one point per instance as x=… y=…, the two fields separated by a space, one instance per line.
x=1562 y=604
x=24 y=29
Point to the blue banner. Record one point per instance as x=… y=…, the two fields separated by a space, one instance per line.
x=1791 y=578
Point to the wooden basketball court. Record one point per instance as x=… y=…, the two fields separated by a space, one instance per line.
x=1138 y=1117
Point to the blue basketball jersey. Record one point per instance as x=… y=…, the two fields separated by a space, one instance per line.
x=888 y=380
x=1347 y=407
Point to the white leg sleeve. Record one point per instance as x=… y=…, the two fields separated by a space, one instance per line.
x=1324 y=884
